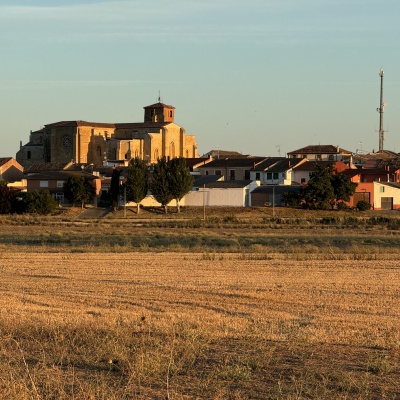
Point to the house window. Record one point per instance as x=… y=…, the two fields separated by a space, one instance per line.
x=269 y=176
x=218 y=172
x=232 y=174
x=330 y=158
x=170 y=114
x=303 y=180
x=257 y=176
x=98 y=151
x=44 y=184
x=276 y=175
x=382 y=189
x=206 y=172
x=28 y=155
x=60 y=184
x=318 y=157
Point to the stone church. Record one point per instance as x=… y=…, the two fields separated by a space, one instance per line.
x=96 y=143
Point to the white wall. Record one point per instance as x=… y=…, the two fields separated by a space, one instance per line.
x=233 y=197
x=388 y=192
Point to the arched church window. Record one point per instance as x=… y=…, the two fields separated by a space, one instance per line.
x=172 y=150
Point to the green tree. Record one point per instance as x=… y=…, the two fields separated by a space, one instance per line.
x=343 y=187
x=115 y=187
x=6 y=198
x=160 y=183
x=180 y=179
x=319 y=192
x=40 y=202
x=136 y=182
x=326 y=188
x=291 y=198
x=78 y=189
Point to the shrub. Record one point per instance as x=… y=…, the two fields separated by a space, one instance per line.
x=40 y=201
x=363 y=205
x=342 y=206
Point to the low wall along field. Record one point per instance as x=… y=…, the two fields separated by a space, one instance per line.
x=304 y=319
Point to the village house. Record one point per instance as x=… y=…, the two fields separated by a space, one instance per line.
x=275 y=170
x=302 y=172
x=232 y=168
x=219 y=193
x=10 y=170
x=53 y=182
x=386 y=174
x=381 y=195
x=322 y=153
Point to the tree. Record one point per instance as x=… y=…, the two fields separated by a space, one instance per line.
x=40 y=202
x=291 y=198
x=114 y=187
x=5 y=198
x=326 y=187
x=160 y=183
x=136 y=182
x=343 y=187
x=78 y=189
x=180 y=180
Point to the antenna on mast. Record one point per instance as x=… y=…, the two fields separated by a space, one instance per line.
x=380 y=110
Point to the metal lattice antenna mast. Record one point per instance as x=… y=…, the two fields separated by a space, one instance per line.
x=380 y=110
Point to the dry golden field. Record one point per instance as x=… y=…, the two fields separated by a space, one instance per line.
x=316 y=318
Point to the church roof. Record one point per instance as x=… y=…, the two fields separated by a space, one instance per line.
x=141 y=125
x=80 y=123
x=159 y=105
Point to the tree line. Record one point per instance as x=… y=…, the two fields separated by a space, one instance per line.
x=172 y=180
x=168 y=181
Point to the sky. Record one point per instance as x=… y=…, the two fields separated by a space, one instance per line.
x=262 y=77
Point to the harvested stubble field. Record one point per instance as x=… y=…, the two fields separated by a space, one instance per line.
x=297 y=314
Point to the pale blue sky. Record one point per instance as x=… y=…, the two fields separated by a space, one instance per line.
x=253 y=76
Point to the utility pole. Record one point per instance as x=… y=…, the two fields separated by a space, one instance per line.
x=380 y=111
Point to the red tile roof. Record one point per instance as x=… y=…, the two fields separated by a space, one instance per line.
x=320 y=149
x=310 y=165
x=4 y=160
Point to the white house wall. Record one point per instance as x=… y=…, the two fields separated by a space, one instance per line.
x=388 y=192
x=233 y=197
x=299 y=175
